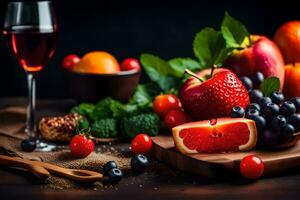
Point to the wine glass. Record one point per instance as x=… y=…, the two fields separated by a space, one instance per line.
x=30 y=30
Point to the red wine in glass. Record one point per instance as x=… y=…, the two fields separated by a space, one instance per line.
x=30 y=29
x=32 y=46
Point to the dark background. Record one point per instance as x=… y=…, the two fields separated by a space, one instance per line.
x=129 y=28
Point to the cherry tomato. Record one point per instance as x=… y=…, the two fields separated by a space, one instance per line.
x=130 y=64
x=176 y=117
x=251 y=167
x=81 y=146
x=162 y=104
x=141 y=144
x=69 y=61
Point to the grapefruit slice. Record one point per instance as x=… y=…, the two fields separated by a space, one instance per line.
x=215 y=136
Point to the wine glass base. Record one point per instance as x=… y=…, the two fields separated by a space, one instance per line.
x=45 y=147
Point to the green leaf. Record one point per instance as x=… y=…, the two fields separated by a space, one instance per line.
x=84 y=109
x=141 y=96
x=180 y=64
x=159 y=71
x=270 y=85
x=234 y=32
x=210 y=47
x=102 y=109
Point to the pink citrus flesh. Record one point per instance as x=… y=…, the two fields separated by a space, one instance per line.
x=215 y=136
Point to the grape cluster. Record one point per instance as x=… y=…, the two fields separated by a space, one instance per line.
x=276 y=118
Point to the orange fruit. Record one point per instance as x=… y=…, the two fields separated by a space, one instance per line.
x=287 y=37
x=97 y=62
x=291 y=81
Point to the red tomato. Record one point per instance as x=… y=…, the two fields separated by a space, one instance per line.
x=252 y=167
x=81 y=146
x=130 y=64
x=69 y=61
x=162 y=104
x=141 y=144
x=176 y=117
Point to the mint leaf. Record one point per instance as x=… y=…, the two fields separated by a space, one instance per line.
x=210 y=47
x=180 y=64
x=270 y=85
x=159 y=71
x=234 y=32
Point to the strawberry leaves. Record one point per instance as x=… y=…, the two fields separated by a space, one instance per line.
x=180 y=64
x=234 y=32
x=210 y=47
x=160 y=72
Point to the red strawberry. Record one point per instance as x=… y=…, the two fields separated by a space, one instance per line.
x=213 y=97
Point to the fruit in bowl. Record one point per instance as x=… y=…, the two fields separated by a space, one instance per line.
x=206 y=96
x=97 y=62
x=69 y=61
x=130 y=64
x=97 y=75
x=262 y=55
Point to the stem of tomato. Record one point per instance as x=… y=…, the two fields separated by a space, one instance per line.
x=193 y=74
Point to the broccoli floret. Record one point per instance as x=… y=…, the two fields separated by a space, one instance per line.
x=105 y=128
x=142 y=123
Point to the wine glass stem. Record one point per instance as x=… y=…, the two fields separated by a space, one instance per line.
x=30 y=125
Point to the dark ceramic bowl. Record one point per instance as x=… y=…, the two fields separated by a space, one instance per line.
x=94 y=87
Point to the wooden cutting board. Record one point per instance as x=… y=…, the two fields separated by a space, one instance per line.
x=216 y=165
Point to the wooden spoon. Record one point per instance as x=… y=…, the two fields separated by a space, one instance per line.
x=74 y=174
x=37 y=170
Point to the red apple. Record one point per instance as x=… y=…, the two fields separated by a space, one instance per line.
x=292 y=78
x=206 y=97
x=263 y=55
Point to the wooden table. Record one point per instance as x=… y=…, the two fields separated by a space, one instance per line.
x=160 y=182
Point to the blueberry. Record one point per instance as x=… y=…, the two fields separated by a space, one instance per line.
x=251 y=113
x=247 y=82
x=277 y=97
x=254 y=106
x=237 y=112
x=296 y=102
x=139 y=163
x=295 y=121
x=270 y=110
x=109 y=165
x=287 y=131
x=264 y=101
x=28 y=145
x=269 y=138
x=278 y=122
x=257 y=79
x=260 y=123
x=113 y=176
x=287 y=108
x=255 y=95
